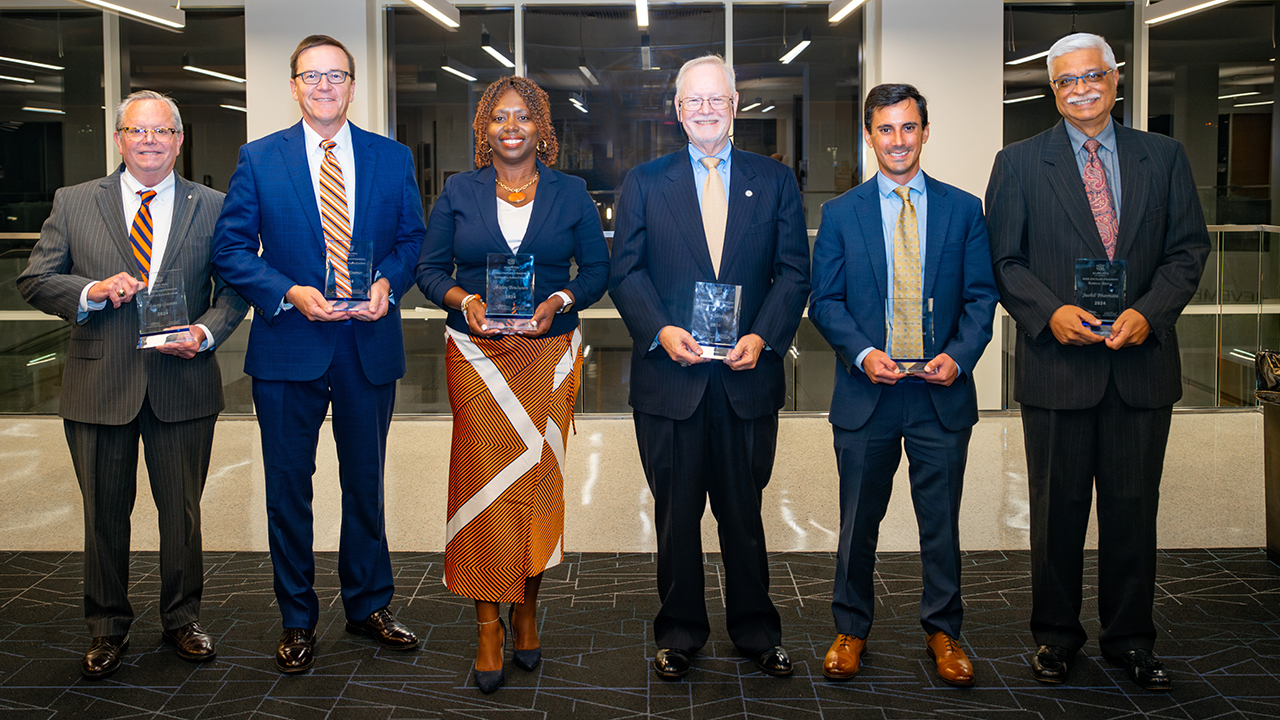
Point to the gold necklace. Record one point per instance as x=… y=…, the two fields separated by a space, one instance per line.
x=516 y=194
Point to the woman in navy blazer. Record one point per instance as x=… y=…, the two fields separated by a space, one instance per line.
x=512 y=394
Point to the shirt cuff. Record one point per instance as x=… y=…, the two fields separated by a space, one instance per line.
x=208 y=342
x=391 y=294
x=86 y=306
x=863 y=356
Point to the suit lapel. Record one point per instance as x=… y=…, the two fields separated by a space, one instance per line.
x=1133 y=186
x=293 y=156
x=487 y=201
x=682 y=199
x=184 y=209
x=939 y=211
x=113 y=215
x=1064 y=177
x=548 y=188
x=366 y=160
x=868 y=207
x=743 y=198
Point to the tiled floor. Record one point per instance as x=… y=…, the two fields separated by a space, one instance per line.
x=1218 y=613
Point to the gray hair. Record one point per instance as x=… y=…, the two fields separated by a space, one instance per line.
x=1081 y=41
x=123 y=107
x=711 y=59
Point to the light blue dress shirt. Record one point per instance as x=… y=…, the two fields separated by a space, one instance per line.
x=700 y=171
x=1106 y=153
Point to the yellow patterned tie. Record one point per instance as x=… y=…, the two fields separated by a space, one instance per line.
x=334 y=218
x=908 y=342
x=715 y=211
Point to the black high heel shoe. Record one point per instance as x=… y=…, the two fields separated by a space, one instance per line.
x=490 y=680
x=526 y=660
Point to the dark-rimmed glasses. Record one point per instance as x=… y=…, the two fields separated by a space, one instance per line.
x=312 y=77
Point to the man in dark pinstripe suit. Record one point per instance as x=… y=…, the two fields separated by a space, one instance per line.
x=1095 y=409
x=85 y=269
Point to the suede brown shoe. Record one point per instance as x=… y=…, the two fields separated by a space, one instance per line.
x=954 y=667
x=844 y=659
x=103 y=656
x=192 y=642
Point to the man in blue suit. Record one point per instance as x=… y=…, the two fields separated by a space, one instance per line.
x=902 y=235
x=708 y=427
x=306 y=196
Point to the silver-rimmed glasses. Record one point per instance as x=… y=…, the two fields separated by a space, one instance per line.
x=694 y=104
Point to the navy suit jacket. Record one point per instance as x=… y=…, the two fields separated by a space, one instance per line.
x=1041 y=223
x=660 y=251
x=564 y=226
x=851 y=284
x=271 y=204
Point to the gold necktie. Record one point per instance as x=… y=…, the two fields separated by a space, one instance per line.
x=334 y=218
x=908 y=342
x=715 y=211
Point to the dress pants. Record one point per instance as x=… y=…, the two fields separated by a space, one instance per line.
x=867 y=459
x=715 y=454
x=1119 y=450
x=106 y=464
x=289 y=418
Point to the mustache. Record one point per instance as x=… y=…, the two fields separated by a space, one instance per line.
x=1084 y=98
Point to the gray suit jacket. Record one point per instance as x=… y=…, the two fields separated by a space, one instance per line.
x=1040 y=223
x=106 y=377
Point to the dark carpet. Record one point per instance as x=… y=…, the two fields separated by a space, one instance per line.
x=1216 y=610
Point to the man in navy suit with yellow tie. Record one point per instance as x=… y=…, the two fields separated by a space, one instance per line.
x=906 y=242
x=708 y=428
x=307 y=197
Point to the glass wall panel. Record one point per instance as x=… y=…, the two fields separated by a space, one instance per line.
x=1030 y=30
x=1212 y=86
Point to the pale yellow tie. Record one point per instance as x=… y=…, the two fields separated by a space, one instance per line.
x=907 y=283
x=715 y=211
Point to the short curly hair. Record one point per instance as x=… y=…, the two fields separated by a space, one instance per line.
x=539 y=108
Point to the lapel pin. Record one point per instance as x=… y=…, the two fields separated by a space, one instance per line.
x=748 y=193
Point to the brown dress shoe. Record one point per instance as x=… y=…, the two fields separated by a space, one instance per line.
x=382 y=626
x=954 y=667
x=103 y=656
x=297 y=650
x=844 y=659
x=192 y=642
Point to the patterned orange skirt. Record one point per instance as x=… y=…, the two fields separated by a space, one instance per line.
x=512 y=400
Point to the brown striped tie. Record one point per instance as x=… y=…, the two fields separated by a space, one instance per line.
x=140 y=235
x=334 y=218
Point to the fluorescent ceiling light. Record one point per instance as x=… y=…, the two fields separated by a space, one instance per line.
x=839 y=9
x=214 y=73
x=441 y=11
x=754 y=104
x=1236 y=95
x=769 y=107
x=10 y=78
x=1028 y=58
x=154 y=12
x=577 y=102
x=43 y=358
x=642 y=13
x=1011 y=101
x=489 y=48
x=801 y=41
x=450 y=65
x=1173 y=9
x=237 y=108
x=1121 y=64
x=31 y=63
x=587 y=70
x=1253 y=104
x=51 y=111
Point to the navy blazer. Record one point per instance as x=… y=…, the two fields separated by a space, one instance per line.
x=660 y=251
x=1041 y=223
x=271 y=204
x=564 y=226
x=851 y=285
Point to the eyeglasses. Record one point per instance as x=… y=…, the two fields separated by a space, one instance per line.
x=136 y=133
x=312 y=77
x=1090 y=78
x=694 y=104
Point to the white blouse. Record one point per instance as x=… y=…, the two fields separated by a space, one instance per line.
x=514 y=221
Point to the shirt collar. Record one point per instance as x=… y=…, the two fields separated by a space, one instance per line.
x=887 y=186
x=697 y=154
x=342 y=137
x=1107 y=137
x=133 y=185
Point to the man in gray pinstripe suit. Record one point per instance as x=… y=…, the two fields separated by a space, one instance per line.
x=85 y=270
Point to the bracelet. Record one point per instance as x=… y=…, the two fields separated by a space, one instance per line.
x=465 y=300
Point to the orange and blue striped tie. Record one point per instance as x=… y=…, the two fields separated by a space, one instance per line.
x=334 y=218
x=141 y=234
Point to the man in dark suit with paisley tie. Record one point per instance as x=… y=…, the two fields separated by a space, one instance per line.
x=1095 y=410
x=105 y=242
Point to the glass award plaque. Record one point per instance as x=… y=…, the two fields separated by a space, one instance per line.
x=509 y=296
x=162 y=312
x=360 y=273
x=901 y=314
x=1100 y=289
x=714 y=324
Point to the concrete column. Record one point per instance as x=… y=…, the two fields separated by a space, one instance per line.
x=1195 y=125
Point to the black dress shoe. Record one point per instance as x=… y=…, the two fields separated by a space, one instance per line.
x=490 y=680
x=382 y=626
x=297 y=650
x=1144 y=669
x=192 y=642
x=671 y=664
x=526 y=660
x=1050 y=664
x=774 y=661
x=103 y=656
